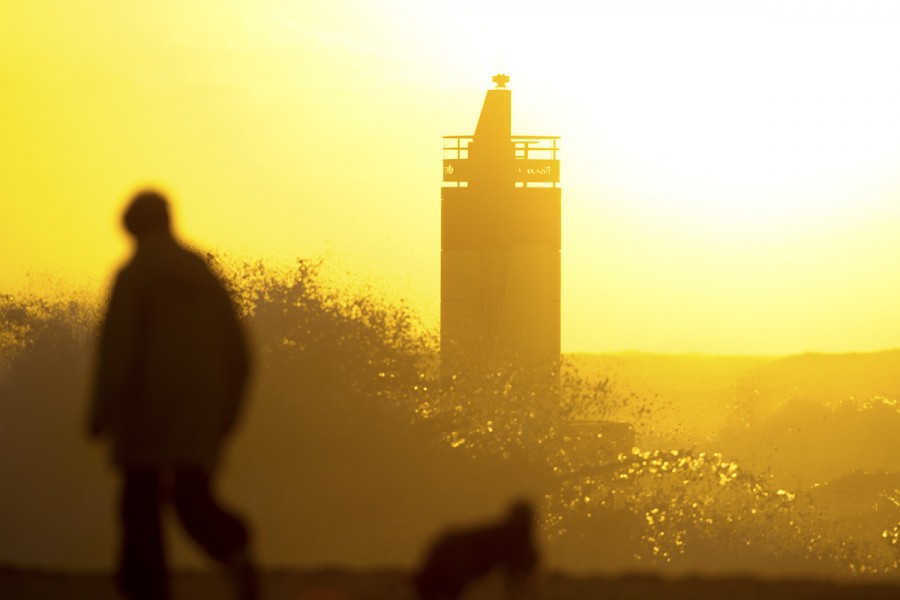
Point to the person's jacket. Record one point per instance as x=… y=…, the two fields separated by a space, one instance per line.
x=172 y=362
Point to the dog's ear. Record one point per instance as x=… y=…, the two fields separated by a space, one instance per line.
x=520 y=515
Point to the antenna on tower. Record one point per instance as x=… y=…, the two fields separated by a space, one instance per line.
x=501 y=80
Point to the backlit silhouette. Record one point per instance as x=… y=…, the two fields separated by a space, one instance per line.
x=172 y=368
x=500 y=246
x=460 y=557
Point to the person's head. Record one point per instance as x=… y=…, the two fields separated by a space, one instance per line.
x=147 y=213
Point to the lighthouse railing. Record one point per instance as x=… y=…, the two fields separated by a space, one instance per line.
x=538 y=155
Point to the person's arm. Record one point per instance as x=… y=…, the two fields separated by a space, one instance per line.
x=239 y=366
x=116 y=356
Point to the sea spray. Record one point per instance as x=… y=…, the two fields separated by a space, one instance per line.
x=353 y=439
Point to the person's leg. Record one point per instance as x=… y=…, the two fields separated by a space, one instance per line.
x=142 y=565
x=221 y=533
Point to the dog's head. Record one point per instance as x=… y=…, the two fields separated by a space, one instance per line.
x=520 y=515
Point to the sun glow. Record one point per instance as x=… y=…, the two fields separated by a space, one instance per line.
x=736 y=125
x=731 y=169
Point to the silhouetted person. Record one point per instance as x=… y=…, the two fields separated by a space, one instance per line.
x=172 y=368
x=462 y=556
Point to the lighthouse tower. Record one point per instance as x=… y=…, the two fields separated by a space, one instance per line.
x=500 y=247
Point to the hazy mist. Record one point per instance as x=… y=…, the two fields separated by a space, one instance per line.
x=353 y=451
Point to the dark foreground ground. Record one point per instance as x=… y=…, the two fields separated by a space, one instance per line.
x=23 y=584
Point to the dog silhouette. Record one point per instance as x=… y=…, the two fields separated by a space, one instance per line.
x=461 y=557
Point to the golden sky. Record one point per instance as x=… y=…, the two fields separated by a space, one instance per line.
x=731 y=169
